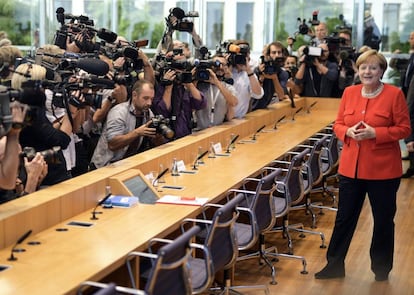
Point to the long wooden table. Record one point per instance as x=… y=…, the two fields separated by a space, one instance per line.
x=64 y=259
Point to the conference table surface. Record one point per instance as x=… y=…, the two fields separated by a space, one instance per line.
x=59 y=258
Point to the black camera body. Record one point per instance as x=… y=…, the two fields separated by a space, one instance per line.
x=183 y=24
x=162 y=126
x=272 y=66
x=202 y=66
x=50 y=155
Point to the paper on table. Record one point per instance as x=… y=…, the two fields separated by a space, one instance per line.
x=172 y=199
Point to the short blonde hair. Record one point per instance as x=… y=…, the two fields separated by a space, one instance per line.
x=372 y=54
x=27 y=71
x=53 y=50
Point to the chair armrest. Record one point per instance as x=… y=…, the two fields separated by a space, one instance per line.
x=141 y=254
x=275 y=168
x=123 y=290
x=305 y=146
x=281 y=162
x=234 y=190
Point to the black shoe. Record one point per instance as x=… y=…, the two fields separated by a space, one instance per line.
x=381 y=277
x=408 y=173
x=330 y=273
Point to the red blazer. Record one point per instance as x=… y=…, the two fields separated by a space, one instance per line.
x=380 y=157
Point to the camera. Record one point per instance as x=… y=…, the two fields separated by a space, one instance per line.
x=238 y=52
x=272 y=66
x=311 y=52
x=161 y=126
x=303 y=28
x=183 y=24
x=50 y=155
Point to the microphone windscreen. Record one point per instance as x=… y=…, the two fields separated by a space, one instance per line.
x=101 y=81
x=234 y=48
x=93 y=66
x=107 y=35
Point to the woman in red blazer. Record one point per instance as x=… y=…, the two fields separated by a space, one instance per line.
x=371 y=120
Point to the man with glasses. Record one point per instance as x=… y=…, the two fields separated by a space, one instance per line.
x=317 y=76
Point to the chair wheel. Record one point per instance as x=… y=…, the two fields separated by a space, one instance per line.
x=304 y=272
x=322 y=246
x=302 y=236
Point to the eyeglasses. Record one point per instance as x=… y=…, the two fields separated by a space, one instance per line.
x=276 y=52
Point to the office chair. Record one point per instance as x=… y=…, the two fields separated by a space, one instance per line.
x=312 y=172
x=290 y=194
x=169 y=273
x=220 y=244
x=330 y=161
x=259 y=207
x=107 y=289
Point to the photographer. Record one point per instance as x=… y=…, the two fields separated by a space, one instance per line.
x=245 y=81
x=346 y=60
x=127 y=130
x=176 y=96
x=220 y=95
x=38 y=131
x=9 y=145
x=317 y=76
x=176 y=21
x=272 y=76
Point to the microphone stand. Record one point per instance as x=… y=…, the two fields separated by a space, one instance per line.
x=299 y=109
x=312 y=104
x=19 y=241
x=159 y=176
x=198 y=159
x=233 y=140
x=257 y=131
x=278 y=121
x=94 y=212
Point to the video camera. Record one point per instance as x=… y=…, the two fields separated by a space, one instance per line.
x=183 y=24
x=162 y=126
x=238 y=52
x=303 y=28
x=311 y=52
x=50 y=155
x=80 y=25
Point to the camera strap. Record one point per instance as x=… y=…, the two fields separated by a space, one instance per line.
x=213 y=98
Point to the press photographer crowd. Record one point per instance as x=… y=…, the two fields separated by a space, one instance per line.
x=92 y=97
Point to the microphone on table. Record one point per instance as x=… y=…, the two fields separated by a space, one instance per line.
x=199 y=157
x=19 y=241
x=159 y=176
x=278 y=121
x=233 y=140
x=257 y=131
x=299 y=109
x=94 y=212
x=311 y=106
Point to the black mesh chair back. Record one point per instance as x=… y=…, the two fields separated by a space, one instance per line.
x=170 y=274
x=314 y=162
x=221 y=238
x=293 y=182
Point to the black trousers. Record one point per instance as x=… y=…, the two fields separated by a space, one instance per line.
x=382 y=195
